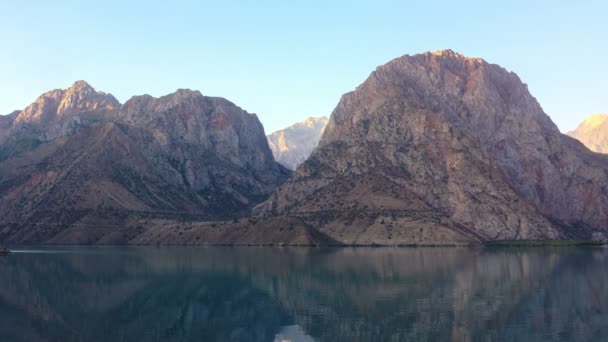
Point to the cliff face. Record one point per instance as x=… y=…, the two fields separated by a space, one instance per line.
x=212 y=123
x=438 y=144
x=292 y=145
x=95 y=163
x=593 y=132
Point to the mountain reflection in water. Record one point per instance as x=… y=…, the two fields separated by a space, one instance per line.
x=301 y=294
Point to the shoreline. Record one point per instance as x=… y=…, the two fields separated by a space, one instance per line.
x=490 y=244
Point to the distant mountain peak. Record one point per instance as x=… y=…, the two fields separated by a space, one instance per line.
x=292 y=145
x=593 y=132
x=315 y=120
x=596 y=120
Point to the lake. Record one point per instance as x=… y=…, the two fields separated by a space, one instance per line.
x=304 y=294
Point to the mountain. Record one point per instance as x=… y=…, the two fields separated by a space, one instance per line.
x=55 y=113
x=593 y=132
x=78 y=162
x=292 y=145
x=55 y=107
x=438 y=148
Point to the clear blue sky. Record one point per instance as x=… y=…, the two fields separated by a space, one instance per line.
x=287 y=60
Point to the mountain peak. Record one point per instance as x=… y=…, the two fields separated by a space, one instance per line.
x=186 y=93
x=447 y=52
x=435 y=80
x=181 y=95
x=593 y=133
x=81 y=97
x=292 y=145
x=596 y=120
x=78 y=98
x=451 y=54
x=81 y=86
x=315 y=119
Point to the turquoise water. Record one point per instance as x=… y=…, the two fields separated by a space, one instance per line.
x=301 y=294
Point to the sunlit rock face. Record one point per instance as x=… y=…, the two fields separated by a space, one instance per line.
x=454 y=146
x=77 y=153
x=593 y=132
x=60 y=112
x=54 y=114
x=292 y=145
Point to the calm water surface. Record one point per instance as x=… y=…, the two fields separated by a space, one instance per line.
x=300 y=294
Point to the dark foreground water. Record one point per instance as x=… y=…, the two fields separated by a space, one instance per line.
x=300 y=294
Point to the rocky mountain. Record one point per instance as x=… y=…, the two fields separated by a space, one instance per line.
x=593 y=132
x=439 y=148
x=435 y=148
x=55 y=113
x=78 y=162
x=292 y=145
x=52 y=109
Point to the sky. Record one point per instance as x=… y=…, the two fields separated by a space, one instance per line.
x=288 y=60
